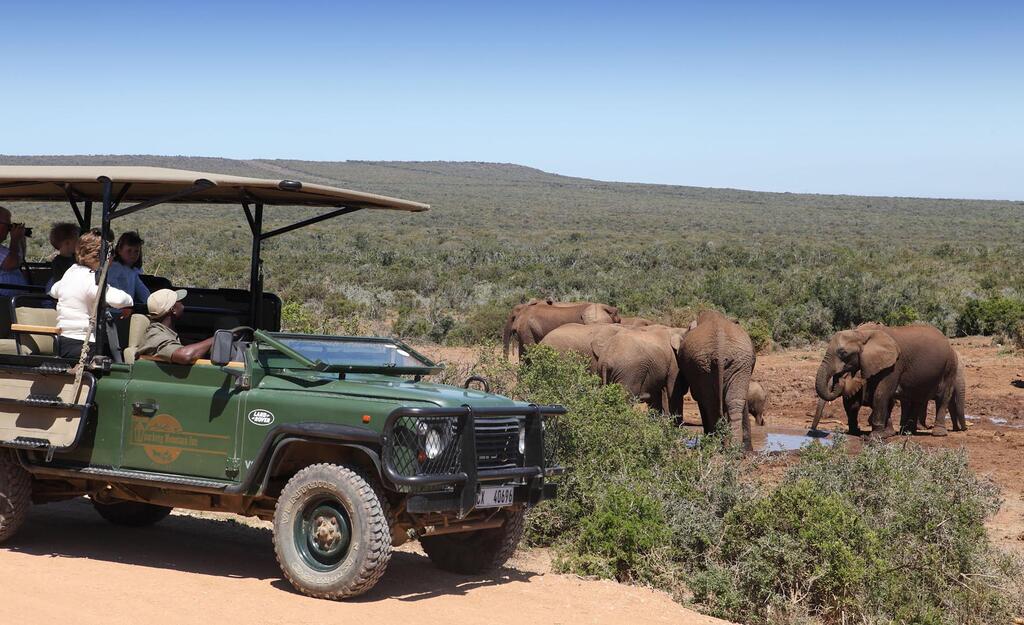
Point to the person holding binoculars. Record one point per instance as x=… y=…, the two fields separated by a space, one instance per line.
x=11 y=257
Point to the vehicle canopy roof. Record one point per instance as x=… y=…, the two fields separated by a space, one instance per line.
x=86 y=183
x=121 y=190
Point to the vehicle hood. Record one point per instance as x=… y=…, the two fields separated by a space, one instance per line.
x=384 y=387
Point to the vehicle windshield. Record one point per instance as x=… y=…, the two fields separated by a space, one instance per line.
x=329 y=353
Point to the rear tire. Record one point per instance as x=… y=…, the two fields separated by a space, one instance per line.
x=331 y=533
x=476 y=552
x=131 y=513
x=15 y=494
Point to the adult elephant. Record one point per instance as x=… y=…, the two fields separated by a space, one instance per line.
x=581 y=339
x=717 y=360
x=645 y=361
x=916 y=360
x=855 y=396
x=530 y=322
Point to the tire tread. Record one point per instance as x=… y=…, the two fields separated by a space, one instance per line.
x=15 y=494
x=378 y=542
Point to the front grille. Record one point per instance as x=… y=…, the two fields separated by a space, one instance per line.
x=497 y=443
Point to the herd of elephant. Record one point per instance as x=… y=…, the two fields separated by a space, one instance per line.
x=872 y=365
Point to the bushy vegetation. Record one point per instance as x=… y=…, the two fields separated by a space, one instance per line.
x=894 y=534
x=792 y=267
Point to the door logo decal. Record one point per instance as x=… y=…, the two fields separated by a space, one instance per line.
x=163 y=439
x=261 y=417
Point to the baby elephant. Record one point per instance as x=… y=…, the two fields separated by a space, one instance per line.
x=757 y=400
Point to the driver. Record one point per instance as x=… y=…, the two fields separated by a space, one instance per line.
x=161 y=340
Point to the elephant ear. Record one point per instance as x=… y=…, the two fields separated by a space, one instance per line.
x=879 y=353
x=676 y=340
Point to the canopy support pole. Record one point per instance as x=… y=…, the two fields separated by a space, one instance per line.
x=101 y=298
x=128 y=210
x=256 y=267
x=312 y=220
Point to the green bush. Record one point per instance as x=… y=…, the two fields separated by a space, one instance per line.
x=623 y=529
x=483 y=324
x=998 y=315
x=894 y=534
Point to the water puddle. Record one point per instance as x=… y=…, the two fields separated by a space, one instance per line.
x=997 y=421
x=775 y=442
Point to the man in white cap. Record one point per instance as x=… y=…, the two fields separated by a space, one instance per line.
x=161 y=340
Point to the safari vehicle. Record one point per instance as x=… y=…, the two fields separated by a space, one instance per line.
x=338 y=440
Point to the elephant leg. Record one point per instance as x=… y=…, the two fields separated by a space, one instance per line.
x=736 y=407
x=881 y=393
x=708 y=413
x=942 y=402
x=911 y=412
x=852 y=407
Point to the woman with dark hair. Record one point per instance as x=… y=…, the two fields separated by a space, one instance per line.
x=125 y=272
x=76 y=295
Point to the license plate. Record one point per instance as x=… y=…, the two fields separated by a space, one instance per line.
x=495 y=496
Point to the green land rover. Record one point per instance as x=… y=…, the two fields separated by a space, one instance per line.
x=338 y=440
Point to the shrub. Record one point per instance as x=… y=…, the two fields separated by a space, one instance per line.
x=483 y=324
x=998 y=315
x=893 y=534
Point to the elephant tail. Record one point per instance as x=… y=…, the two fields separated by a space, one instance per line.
x=720 y=364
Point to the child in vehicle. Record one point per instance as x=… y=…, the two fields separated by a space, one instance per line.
x=64 y=239
x=125 y=271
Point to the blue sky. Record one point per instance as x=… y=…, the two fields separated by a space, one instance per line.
x=913 y=98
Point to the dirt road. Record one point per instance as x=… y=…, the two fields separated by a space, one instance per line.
x=68 y=566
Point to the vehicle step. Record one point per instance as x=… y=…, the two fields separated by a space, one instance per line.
x=152 y=477
x=41 y=401
x=43 y=369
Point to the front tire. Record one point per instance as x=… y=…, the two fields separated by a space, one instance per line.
x=15 y=494
x=331 y=533
x=131 y=513
x=476 y=552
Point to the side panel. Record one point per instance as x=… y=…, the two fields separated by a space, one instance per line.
x=101 y=441
x=181 y=419
x=267 y=408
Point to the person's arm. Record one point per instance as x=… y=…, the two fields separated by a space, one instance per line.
x=141 y=293
x=117 y=298
x=189 y=354
x=13 y=259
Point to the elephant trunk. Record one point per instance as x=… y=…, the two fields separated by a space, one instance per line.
x=826 y=383
x=817 y=414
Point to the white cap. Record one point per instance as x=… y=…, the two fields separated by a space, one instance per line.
x=161 y=302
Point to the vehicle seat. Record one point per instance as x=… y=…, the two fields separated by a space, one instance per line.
x=7 y=344
x=136 y=332
x=41 y=344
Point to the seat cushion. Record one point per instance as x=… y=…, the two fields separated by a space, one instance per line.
x=137 y=330
x=37 y=343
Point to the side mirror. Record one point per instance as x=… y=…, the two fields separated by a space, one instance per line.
x=220 y=353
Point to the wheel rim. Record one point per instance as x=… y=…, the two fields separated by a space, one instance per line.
x=323 y=534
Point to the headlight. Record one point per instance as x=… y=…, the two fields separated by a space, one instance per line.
x=522 y=437
x=433 y=436
x=433 y=444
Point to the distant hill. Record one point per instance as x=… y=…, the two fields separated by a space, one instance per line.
x=498 y=232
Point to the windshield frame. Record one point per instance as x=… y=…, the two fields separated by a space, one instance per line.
x=271 y=339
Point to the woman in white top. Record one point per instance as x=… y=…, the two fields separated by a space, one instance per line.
x=125 y=272
x=76 y=295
